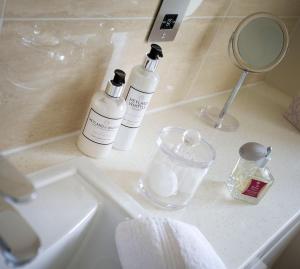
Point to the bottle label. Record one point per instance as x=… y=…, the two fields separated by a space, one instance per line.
x=137 y=102
x=254 y=188
x=101 y=129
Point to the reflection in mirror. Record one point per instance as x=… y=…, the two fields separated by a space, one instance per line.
x=257 y=45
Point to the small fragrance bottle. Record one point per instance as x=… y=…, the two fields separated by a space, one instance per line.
x=250 y=178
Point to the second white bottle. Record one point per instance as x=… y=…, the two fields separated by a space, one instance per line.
x=139 y=90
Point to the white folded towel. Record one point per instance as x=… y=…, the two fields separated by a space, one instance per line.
x=161 y=243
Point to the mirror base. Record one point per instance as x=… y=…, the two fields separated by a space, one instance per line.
x=210 y=115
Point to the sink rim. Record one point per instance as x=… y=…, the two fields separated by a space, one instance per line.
x=103 y=184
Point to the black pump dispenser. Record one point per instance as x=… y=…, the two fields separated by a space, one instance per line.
x=152 y=58
x=119 y=78
x=155 y=52
x=114 y=87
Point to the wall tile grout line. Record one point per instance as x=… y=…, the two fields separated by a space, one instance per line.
x=235 y=17
x=76 y=19
x=123 y=18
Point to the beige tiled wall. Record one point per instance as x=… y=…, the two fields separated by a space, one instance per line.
x=286 y=75
x=55 y=54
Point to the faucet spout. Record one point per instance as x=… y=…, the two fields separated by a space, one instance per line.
x=13 y=184
x=19 y=244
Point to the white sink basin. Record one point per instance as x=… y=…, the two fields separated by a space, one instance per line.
x=75 y=215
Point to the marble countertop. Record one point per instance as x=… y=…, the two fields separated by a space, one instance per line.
x=235 y=229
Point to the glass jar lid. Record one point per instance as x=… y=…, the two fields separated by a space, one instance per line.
x=186 y=146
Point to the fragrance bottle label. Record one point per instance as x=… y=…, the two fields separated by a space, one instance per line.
x=101 y=129
x=137 y=103
x=254 y=187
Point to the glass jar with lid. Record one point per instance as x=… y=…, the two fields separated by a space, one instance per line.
x=181 y=161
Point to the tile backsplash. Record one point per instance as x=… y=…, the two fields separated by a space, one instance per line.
x=55 y=54
x=286 y=75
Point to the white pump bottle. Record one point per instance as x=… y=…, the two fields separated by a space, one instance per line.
x=103 y=119
x=139 y=90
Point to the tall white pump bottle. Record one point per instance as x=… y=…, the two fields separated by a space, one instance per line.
x=138 y=93
x=103 y=119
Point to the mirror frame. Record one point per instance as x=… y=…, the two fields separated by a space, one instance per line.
x=233 y=43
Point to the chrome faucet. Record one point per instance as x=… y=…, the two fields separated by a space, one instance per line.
x=19 y=244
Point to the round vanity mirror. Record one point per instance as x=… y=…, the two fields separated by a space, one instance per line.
x=257 y=45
